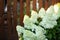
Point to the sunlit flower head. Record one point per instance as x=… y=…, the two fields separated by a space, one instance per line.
x=50 y=10
x=34 y=16
x=26 y=19
x=34 y=28
x=56 y=7
x=20 y=29
x=42 y=12
x=28 y=35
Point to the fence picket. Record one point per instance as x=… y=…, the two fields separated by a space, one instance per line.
x=46 y=4
x=21 y=12
x=34 y=5
x=53 y=1
x=14 y=10
x=40 y=3
x=9 y=19
x=1 y=12
x=2 y=33
x=28 y=7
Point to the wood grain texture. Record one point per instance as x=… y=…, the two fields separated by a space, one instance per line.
x=40 y=3
x=14 y=20
x=1 y=12
x=21 y=12
x=2 y=35
x=53 y=1
x=46 y=4
x=34 y=5
x=9 y=23
x=28 y=7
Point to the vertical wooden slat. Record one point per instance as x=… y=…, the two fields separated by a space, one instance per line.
x=40 y=3
x=1 y=12
x=21 y=12
x=2 y=35
x=28 y=7
x=34 y=5
x=9 y=19
x=53 y=1
x=43 y=2
x=49 y=3
x=46 y=4
x=58 y=1
x=14 y=24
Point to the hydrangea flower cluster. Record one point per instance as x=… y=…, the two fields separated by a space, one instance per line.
x=34 y=26
x=52 y=14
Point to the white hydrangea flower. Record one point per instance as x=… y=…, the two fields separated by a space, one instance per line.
x=49 y=18
x=40 y=33
x=34 y=16
x=28 y=35
x=39 y=30
x=42 y=12
x=30 y=26
x=48 y=23
x=50 y=13
x=50 y=10
x=20 y=29
x=26 y=20
x=28 y=23
x=41 y=37
x=57 y=9
x=55 y=16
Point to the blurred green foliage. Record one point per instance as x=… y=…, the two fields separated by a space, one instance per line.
x=54 y=34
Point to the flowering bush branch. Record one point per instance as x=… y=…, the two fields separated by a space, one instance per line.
x=34 y=26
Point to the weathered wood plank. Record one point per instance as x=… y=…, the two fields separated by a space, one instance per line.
x=9 y=23
x=58 y=1
x=34 y=5
x=2 y=35
x=40 y=3
x=53 y=2
x=21 y=12
x=46 y=4
x=14 y=20
x=28 y=7
x=1 y=12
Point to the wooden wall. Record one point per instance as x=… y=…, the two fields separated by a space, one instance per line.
x=8 y=21
x=12 y=19
x=1 y=20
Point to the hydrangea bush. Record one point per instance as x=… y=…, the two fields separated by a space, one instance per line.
x=36 y=25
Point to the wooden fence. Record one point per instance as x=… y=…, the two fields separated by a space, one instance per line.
x=8 y=21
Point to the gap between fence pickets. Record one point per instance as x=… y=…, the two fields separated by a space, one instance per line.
x=37 y=6
x=5 y=9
